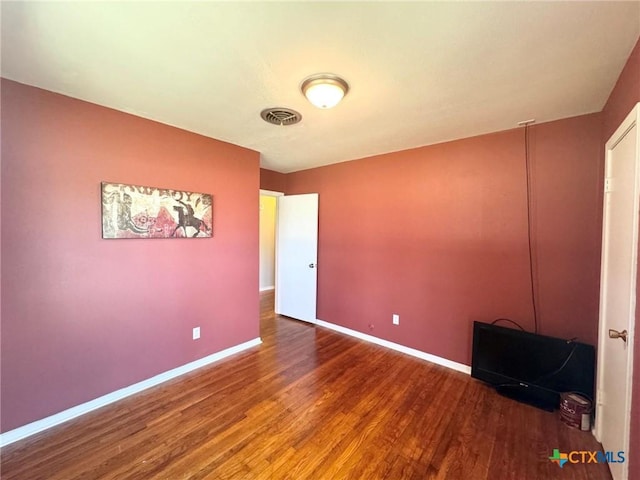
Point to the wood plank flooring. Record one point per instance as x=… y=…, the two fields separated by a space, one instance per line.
x=308 y=403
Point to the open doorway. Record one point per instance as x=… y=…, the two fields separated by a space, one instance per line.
x=268 y=215
x=288 y=255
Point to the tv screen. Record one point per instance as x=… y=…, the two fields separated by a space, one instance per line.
x=530 y=367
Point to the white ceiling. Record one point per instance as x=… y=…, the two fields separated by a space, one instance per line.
x=420 y=72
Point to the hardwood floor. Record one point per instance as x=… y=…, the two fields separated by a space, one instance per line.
x=308 y=403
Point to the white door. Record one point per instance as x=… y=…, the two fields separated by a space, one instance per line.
x=296 y=256
x=618 y=292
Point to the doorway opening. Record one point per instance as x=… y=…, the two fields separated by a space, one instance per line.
x=267 y=242
x=268 y=208
x=268 y=215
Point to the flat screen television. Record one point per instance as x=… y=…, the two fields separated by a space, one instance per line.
x=531 y=368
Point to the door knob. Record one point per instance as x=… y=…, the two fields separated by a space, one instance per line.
x=312 y=265
x=617 y=334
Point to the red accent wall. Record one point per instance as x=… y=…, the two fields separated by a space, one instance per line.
x=625 y=94
x=438 y=235
x=623 y=98
x=83 y=316
x=274 y=181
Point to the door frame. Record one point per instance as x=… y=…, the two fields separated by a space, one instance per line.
x=270 y=193
x=633 y=118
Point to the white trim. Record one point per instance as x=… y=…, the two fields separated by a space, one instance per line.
x=632 y=119
x=271 y=193
x=460 y=367
x=61 y=417
x=264 y=289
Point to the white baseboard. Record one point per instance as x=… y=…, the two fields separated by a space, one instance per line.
x=460 y=367
x=40 y=425
x=264 y=289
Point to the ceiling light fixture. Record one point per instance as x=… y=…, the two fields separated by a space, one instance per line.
x=324 y=90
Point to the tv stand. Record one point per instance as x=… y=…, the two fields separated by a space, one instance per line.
x=529 y=395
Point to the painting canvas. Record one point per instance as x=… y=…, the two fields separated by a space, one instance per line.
x=132 y=211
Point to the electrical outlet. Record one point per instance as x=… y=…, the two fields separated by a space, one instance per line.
x=196 y=333
x=396 y=319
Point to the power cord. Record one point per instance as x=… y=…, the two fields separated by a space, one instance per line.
x=530 y=226
x=508 y=320
x=532 y=279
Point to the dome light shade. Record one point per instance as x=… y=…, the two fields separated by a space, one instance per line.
x=324 y=90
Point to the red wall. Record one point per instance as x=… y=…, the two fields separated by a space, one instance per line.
x=82 y=316
x=625 y=94
x=274 y=181
x=438 y=235
x=623 y=98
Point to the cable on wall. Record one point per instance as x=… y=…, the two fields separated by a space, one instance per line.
x=508 y=320
x=527 y=162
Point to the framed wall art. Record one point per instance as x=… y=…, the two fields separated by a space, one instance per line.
x=133 y=211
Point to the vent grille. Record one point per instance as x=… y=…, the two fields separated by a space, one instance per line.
x=280 y=116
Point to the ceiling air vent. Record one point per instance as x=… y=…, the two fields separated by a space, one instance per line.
x=280 y=116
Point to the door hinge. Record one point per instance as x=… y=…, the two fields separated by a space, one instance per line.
x=608 y=185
